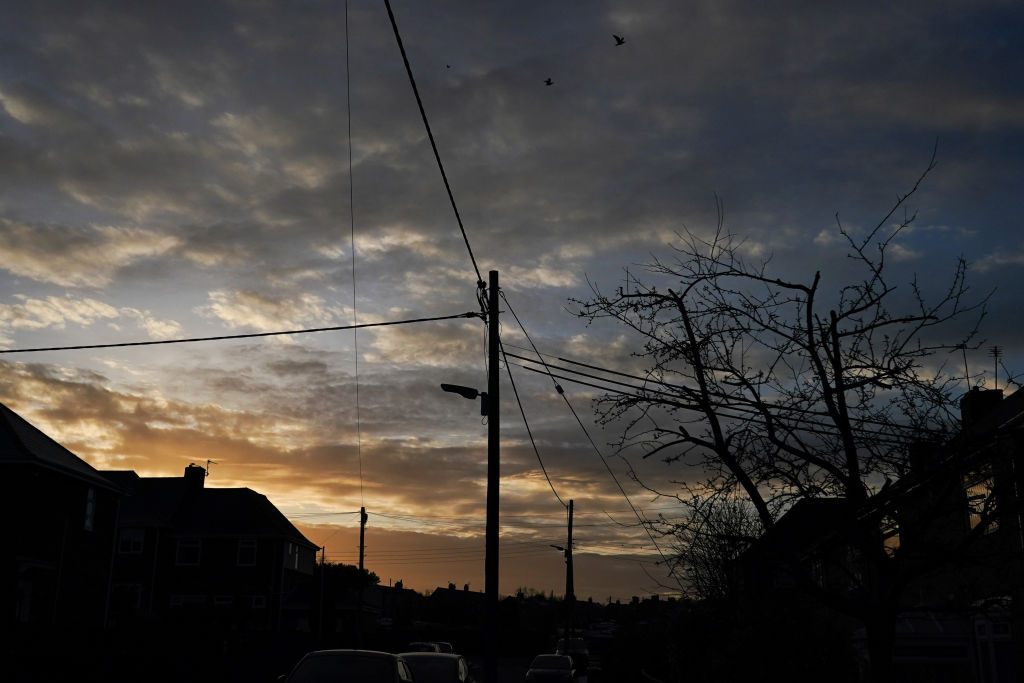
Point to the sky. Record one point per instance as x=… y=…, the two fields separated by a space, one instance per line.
x=196 y=169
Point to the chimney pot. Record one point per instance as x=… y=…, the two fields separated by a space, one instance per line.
x=195 y=476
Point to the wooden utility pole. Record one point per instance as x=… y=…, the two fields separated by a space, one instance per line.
x=493 y=478
x=320 y=620
x=359 y=599
x=362 y=536
x=570 y=591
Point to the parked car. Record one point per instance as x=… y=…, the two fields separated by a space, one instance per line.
x=350 y=666
x=438 y=667
x=422 y=646
x=442 y=646
x=575 y=648
x=551 y=668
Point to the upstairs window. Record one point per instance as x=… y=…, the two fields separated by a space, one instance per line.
x=980 y=487
x=130 y=541
x=189 y=551
x=247 y=553
x=90 y=509
x=890 y=529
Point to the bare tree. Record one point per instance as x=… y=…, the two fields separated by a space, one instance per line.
x=774 y=390
x=706 y=541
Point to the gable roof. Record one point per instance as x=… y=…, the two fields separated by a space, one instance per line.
x=172 y=502
x=23 y=443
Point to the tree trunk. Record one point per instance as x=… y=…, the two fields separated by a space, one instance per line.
x=880 y=630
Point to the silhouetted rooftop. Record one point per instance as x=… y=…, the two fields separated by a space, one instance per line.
x=172 y=501
x=21 y=442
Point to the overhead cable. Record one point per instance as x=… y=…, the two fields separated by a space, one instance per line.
x=433 y=144
x=529 y=431
x=561 y=392
x=352 y=249
x=249 y=335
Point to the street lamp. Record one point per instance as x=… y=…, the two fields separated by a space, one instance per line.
x=468 y=392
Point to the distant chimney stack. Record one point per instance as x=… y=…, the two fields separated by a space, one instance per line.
x=976 y=405
x=194 y=477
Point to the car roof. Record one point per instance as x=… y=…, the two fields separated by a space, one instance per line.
x=430 y=655
x=352 y=653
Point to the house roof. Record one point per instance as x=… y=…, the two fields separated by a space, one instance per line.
x=23 y=443
x=196 y=510
x=810 y=521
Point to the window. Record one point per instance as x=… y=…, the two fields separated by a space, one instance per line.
x=189 y=550
x=179 y=601
x=890 y=529
x=129 y=541
x=223 y=601
x=127 y=597
x=818 y=572
x=259 y=601
x=979 y=487
x=90 y=509
x=247 y=553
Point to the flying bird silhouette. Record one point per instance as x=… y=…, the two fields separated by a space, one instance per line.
x=548 y=81
x=619 y=40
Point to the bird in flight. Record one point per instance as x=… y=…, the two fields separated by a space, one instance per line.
x=619 y=40
x=548 y=81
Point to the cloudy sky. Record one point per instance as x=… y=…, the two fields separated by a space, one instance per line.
x=182 y=171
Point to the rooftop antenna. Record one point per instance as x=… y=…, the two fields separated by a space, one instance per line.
x=967 y=372
x=208 y=463
x=995 y=352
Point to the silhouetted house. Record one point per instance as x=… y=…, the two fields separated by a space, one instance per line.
x=955 y=535
x=457 y=607
x=961 y=531
x=59 y=517
x=225 y=556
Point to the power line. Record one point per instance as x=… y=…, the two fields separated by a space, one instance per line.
x=561 y=392
x=529 y=431
x=243 y=336
x=735 y=411
x=433 y=144
x=352 y=249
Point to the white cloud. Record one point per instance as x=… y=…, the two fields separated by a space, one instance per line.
x=1001 y=258
x=54 y=312
x=398 y=238
x=76 y=257
x=155 y=328
x=34 y=314
x=244 y=309
x=899 y=252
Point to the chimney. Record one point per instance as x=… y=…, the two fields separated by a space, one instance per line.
x=194 y=477
x=976 y=405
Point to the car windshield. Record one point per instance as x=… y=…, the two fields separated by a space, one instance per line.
x=550 y=662
x=433 y=669
x=575 y=644
x=344 y=668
